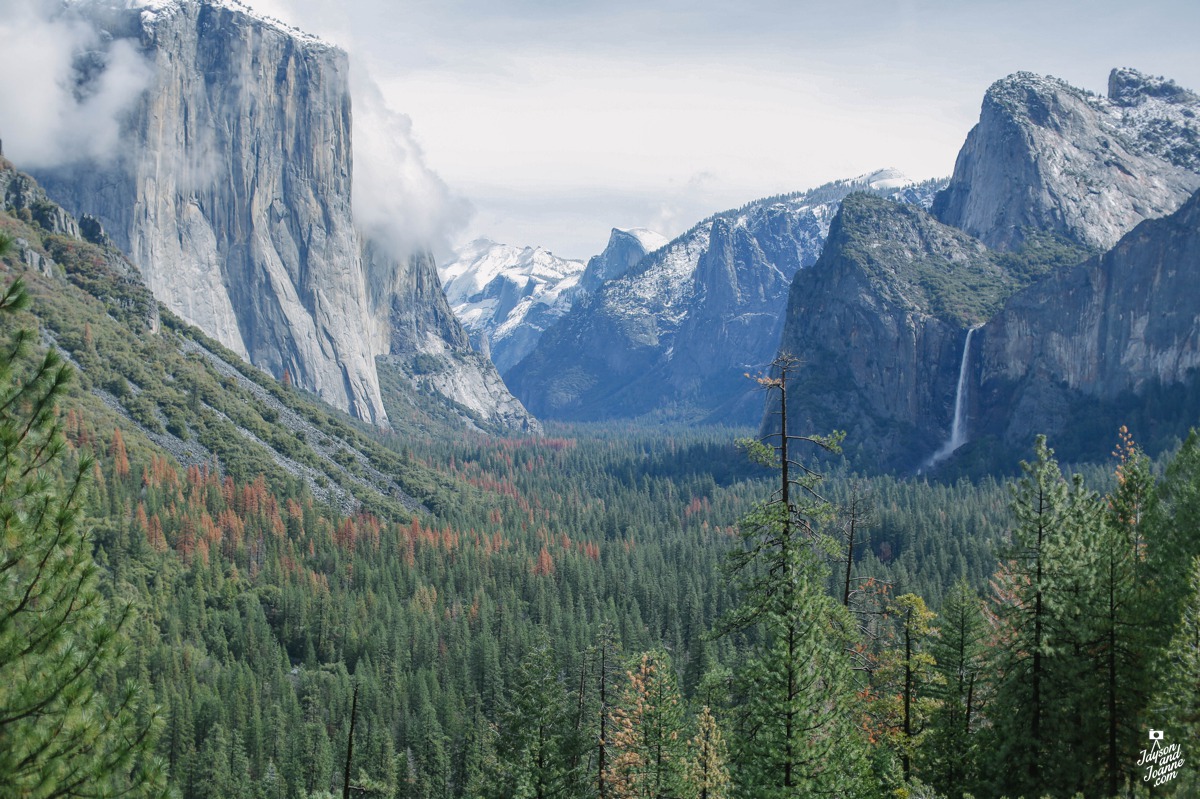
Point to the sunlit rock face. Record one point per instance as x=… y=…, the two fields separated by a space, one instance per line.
x=232 y=194
x=1047 y=157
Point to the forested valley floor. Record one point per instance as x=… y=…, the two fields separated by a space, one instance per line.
x=611 y=612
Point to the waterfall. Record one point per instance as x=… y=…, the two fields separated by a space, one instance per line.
x=958 y=428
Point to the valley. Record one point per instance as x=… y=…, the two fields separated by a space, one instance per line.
x=888 y=486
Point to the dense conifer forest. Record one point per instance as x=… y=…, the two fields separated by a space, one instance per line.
x=599 y=611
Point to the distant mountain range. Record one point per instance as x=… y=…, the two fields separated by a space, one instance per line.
x=1051 y=176
x=507 y=296
x=1065 y=240
x=675 y=334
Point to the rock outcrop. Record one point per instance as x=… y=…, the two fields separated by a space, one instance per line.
x=879 y=323
x=675 y=336
x=1080 y=352
x=1049 y=158
x=624 y=251
x=112 y=278
x=233 y=197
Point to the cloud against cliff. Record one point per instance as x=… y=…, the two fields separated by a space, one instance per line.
x=63 y=87
x=399 y=202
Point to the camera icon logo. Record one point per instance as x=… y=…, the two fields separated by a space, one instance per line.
x=1156 y=735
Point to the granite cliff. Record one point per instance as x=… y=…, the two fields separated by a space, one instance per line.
x=233 y=197
x=1114 y=340
x=1050 y=176
x=1047 y=157
x=625 y=249
x=880 y=321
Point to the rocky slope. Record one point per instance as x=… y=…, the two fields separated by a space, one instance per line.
x=1115 y=340
x=1047 y=157
x=233 y=197
x=173 y=390
x=675 y=336
x=880 y=321
x=429 y=356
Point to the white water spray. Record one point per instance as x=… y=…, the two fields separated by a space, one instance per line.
x=958 y=428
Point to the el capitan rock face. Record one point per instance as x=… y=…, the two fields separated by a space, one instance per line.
x=233 y=197
x=1048 y=157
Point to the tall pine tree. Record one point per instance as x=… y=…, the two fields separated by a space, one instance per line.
x=796 y=732
x=1041 y=633
x=950 y=756
x=648 y=744
x=60 y=735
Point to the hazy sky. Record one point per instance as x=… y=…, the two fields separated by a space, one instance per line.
x=558 y=120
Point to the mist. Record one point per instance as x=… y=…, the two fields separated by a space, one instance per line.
x=64 y=88
x=399 y=202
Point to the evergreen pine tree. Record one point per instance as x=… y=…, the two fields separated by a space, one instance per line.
x=647 y=737
x=1177 y=705
x=950 y=755
x=796 y=729
x=706 y=771
x=1119 y=668
x=60 y=735
x=1022 y=615
x=904 y=675
x=534 y=729
x=1171 y=539
x=1040 y=664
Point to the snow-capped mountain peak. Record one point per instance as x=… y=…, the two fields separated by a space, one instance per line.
x=649 y=239
x=884 y=179
x=674 y=331
x=505 y=296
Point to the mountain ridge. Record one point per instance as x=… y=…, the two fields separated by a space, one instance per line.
x=887 y=351
x=675 y=346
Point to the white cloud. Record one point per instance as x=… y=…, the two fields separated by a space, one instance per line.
x=63 y=87
x=399 y=202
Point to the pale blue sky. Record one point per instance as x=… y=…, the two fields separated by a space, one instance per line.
x=560 y=120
